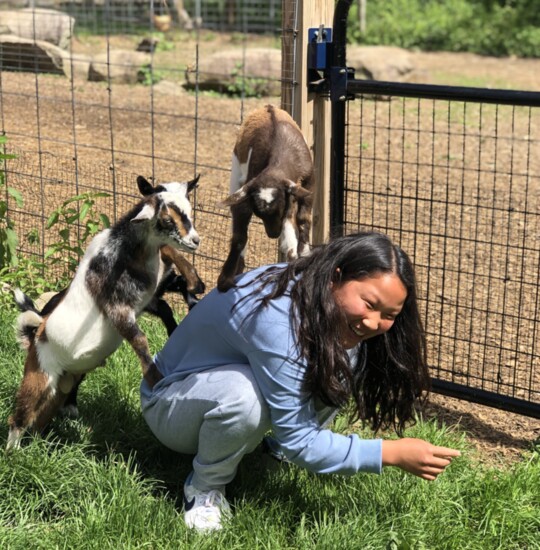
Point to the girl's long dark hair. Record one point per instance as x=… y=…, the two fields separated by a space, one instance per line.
x=391 y=372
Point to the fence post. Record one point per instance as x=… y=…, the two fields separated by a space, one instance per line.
x=311 y=112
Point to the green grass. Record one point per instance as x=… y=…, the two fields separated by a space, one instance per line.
x=102 y=481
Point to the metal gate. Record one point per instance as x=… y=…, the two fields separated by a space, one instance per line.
x=453 y=175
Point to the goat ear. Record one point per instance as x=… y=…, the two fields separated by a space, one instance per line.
x=145 y=187
x=147 y=212
x=193 y=184
x=297 y=190
x=236 y=198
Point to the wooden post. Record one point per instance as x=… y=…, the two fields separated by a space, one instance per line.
x=311 y=113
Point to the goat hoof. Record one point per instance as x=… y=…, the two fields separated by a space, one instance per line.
x=66 y=383
x=69 y=411
x=14 y=439
x=199 y=288
x=152 y=375
x=224 y=284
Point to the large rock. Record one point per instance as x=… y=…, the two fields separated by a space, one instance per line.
x=22 y=54
x=120 y=66
x=224 y=72
x=51 y=26
x=76 y=66
x=166 y=87
x=385 y=63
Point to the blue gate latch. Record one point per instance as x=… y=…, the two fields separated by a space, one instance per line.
x=319 y=44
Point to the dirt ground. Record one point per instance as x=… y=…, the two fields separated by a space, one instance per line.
x=189 y=130
x=497 y=435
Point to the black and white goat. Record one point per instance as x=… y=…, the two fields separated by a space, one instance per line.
x=116 y=279
x=271 y=177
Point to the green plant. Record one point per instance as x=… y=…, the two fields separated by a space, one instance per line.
x=238 y=38
x=246 y=86
x=163 y=44
x=486 y=27
x=78 y=220
x=149 y=76
x=29 y=275
x=8 y=236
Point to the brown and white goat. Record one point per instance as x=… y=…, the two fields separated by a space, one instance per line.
x=271 y=177
x=116 y=279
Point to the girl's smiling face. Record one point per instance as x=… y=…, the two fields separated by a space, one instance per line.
x=369 y=306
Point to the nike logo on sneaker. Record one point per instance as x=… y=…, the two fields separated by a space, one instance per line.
x=188 y=504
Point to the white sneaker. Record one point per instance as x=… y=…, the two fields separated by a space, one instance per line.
x=204 y=510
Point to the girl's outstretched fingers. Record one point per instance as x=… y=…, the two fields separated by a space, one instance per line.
x=418 y=457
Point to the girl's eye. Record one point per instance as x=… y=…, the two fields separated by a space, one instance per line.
x=368 y=305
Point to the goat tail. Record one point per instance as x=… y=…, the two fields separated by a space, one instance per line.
x=24 y=303
x=28 y=321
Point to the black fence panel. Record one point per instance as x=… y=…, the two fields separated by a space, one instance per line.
x=453 y=175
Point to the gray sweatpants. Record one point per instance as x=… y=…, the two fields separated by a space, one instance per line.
x=219 y=415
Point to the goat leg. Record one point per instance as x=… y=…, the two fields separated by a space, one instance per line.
x=179 y=284
x=70 y=407
x=138 y=341
x=36 y=403
x=123 y=319
x=160 y=308
x=234 y=264
x=303 y=222
x=170 y=255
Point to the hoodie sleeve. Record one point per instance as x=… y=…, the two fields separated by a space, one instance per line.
x=294 y=417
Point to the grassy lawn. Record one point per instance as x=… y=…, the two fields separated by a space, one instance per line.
x=102 y=481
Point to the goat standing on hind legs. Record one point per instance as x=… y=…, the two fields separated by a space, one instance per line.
x=271 y=177
x=116 y=279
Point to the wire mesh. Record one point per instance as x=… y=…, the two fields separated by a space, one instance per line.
x=98 y=95
x=457 y=185
x=126 y=16
x=238 y=15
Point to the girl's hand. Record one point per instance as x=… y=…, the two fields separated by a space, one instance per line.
x=417 y=457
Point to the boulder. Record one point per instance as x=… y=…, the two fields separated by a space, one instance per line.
x=223 y=71
x=51 y=26
x=76 y=66
x=166 y=87
x=22 y=54
x=385 y=63
x=120 y=66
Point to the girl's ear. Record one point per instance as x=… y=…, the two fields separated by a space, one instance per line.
x=337 y=277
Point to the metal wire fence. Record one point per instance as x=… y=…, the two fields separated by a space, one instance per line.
x=126 y=16
x=93 y=94
x=453 y=175
x=457 y=184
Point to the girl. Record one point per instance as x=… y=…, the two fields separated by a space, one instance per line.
x=283 y=350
